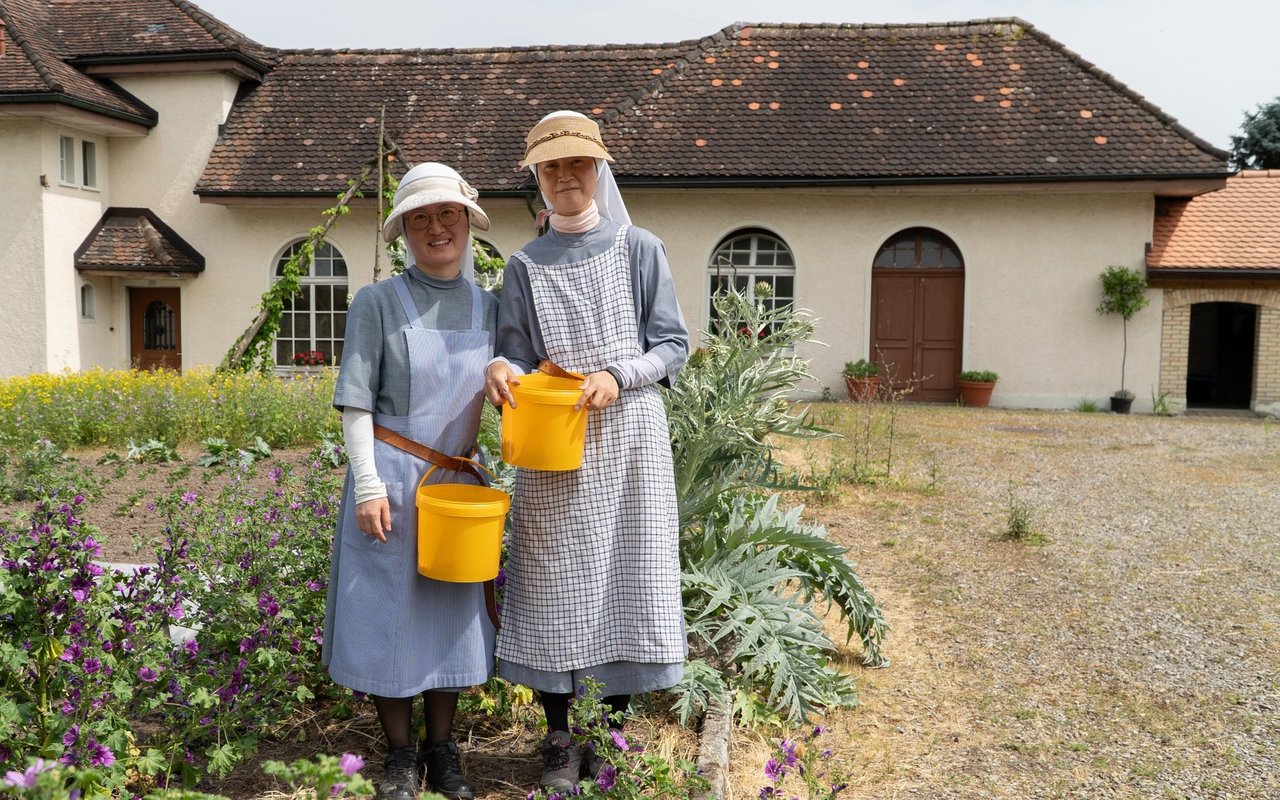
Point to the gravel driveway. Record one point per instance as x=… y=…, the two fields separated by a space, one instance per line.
x=1135 y=653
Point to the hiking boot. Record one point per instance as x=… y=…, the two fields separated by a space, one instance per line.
x=444 y=771
x=561 y=761
x=400 y=779
x=591 y=764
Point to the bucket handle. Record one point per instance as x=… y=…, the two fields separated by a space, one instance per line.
x=464 y=464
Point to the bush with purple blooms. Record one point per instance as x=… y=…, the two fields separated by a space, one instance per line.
x=90 y=676
x=806 y=758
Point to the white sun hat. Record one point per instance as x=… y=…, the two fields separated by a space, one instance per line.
x=432 y=182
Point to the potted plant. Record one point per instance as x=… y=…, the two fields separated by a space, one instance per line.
x=861 y=380
x=976 y=386
x=1124 y=292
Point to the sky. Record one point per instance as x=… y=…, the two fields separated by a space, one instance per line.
x=1205 y=64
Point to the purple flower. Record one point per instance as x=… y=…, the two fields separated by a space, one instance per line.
x=91 y=546
x=27 y=778
x=619 y=739
x=69 y=738
x=350 y=764
x=773 y=770
x=191 y=647
x=607 y=777
x=92 y=665
x=268 y=605
x=148 y=674
x=788 y=749
x=100 y=755
x=188 y=498
x=315 y=585
x=818 y=730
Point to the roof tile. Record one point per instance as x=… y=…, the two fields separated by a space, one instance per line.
x=1233 y=228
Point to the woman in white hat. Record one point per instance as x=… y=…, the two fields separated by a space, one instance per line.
x=410 y=344
x=593 y=572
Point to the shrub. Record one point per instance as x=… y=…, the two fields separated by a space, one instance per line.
x=110 y=408
x=979 y=376
x=751 y=571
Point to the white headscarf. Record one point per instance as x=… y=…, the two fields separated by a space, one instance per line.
x=608 y=198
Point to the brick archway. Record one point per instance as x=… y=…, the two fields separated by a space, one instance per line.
x=1176 y=338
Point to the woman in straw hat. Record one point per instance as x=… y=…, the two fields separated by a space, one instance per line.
x=593 y=573
x=410 y=343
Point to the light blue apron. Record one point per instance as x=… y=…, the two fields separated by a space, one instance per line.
x=390 y=631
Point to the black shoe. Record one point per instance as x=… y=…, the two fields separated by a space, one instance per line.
x=400 y=780
x=444 y=772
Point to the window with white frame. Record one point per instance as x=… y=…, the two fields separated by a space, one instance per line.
x=750 y=256
x=314 y=321
x=87 y=310
x=77 y=162
x=67 y=160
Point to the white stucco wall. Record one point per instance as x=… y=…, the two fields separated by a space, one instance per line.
x=1031 y=284
x=22 y=328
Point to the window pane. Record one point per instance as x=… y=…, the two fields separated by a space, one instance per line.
x=784 y=287
x=339 y=325
x=284 y=351
x=286 y=326
x=884 y=258
x=90 y=161
x=340 y=300
x=324 y=298
x=324 y=326
x=337 y=353
x=302 y=300
x=67 y=155
x=930 y=253
x=302 y=326
x=950 y=258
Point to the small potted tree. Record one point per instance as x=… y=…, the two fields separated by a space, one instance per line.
x=976 y=386
x=1124 y=292
x=861 y=380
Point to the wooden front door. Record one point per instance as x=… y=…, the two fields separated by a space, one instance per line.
x=917 y=321
x=155 y=325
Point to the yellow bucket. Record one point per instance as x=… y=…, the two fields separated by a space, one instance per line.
x=543 y=431
x=460 y=529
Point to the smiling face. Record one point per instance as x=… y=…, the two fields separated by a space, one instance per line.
x=569 y=184
x=437 y=234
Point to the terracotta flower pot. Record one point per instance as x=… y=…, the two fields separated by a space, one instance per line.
x=862 y=390
x=976 y=394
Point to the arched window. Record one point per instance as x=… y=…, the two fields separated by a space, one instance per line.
x=750 y=256
x=315 y=320
x=919 y=247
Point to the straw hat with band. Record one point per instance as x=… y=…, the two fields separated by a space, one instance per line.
x=562 y=134
x=429 y=183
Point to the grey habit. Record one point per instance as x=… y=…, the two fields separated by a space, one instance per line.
x=593 y=572
x=414 y=355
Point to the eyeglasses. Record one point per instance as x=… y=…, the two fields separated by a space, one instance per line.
x=420 y=220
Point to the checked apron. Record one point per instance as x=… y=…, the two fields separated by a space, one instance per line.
x=593 y=571
x=388 y=630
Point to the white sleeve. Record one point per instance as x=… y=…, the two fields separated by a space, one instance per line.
x=357 y=431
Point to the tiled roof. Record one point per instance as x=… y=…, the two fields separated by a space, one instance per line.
x=993 y=98
x=136 y=240
x=1233 y=229
x=985 y=100
x=314 y=121
x=47 y=39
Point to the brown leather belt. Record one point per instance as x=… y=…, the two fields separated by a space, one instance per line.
x=452 y=463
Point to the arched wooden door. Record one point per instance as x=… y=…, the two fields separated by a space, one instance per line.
x=917 y=313
x=155 y=329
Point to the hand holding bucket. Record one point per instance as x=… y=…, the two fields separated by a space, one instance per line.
x=544 y=429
